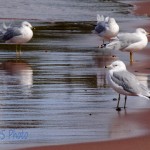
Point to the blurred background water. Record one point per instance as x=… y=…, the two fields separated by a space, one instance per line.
x=56 y=91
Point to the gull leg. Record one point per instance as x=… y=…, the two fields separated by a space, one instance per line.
x=131 y=57
x=17 y=51
x=102 y=45
x=118 y=108
x=125 y=101
x=103 y=41
x=16 y=47
x=20 y=50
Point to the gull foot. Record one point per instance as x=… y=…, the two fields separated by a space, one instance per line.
x=102 y=46
x=118 y=109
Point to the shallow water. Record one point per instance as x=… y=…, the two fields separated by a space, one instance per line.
x=56 y=91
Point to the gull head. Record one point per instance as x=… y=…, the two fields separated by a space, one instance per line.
x=111 y=20
x=141 y=30
x=26 y=24
x=116 y=66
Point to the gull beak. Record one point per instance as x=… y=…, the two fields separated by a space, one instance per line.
x=108 y=66
x=94 y=25
x=33 y=28
x=148 y=33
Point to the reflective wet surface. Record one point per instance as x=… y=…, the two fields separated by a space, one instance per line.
x=56 y=91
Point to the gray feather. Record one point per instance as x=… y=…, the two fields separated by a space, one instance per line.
x=10 y=33
x=123 y=40
x=101 y=26
x=130 y=83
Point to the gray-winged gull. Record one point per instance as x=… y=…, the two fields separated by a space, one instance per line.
x=106 y=28
x=17 y=35
x=129 y=42
x=124 y=82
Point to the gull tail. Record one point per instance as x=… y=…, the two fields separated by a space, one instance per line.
x=1 y=34
x=107 y=19
x=146 y=97
x=3 y=30
x=112 y=45
x=5 y=27
x=100 y=18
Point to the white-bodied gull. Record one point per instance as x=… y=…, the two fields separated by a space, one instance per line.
x=129 y=42
x=17 y=35
x=124 y=82
x=106 y=28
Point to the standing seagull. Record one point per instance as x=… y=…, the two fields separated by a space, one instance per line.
x=124 y=82
x=17 y=35
x=129 y=42
x=106 y=27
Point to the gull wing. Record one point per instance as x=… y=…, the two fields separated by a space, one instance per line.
x=129 y=83
x=101 y=26
x=10 y=33
x=123 y=40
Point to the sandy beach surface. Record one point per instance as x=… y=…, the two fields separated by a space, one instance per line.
x=138 y=143
x=139 y=118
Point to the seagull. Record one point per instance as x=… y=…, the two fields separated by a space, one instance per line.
x=129 y=42
x=106 y=27
x=124 y=82
x=17 y=35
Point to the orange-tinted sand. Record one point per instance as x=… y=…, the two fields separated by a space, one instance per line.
x=142 y=8
x=141 y=118
x=139 y=143
x=136 y=143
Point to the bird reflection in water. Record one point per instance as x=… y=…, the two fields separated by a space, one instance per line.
x=17 y=73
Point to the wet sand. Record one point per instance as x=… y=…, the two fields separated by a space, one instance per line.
x=139 y=118
x=139 y=143
x=142 y=8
